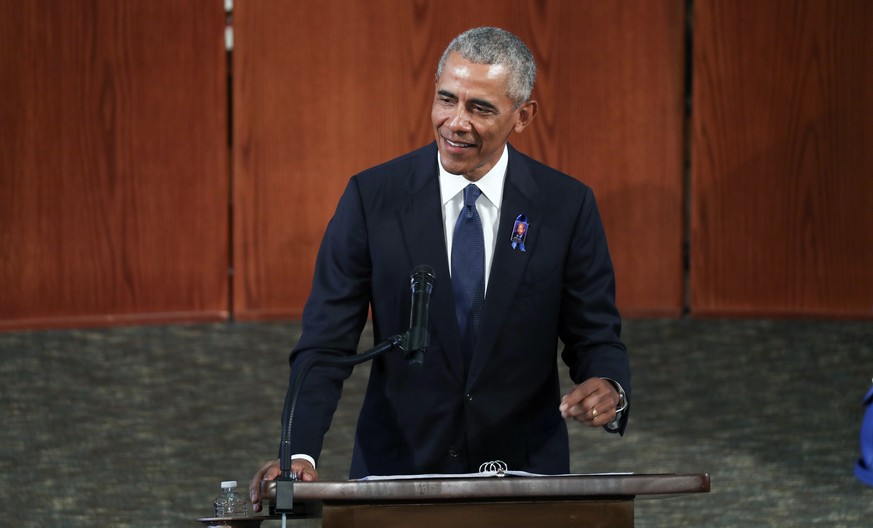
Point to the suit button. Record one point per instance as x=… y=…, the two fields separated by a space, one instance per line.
x=453 y=452
x=468 y=397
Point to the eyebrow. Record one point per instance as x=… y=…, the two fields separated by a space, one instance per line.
x=479 y=102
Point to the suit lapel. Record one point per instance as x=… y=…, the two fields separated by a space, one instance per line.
x=508 y=264
x=421 y=220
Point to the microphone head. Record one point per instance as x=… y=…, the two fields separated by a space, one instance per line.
x=422 y=275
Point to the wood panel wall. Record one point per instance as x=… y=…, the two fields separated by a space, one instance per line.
x=113 y=162
x=782 y=158
x=325 y=89
x=115 y=181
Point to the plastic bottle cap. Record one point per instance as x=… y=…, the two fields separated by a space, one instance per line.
x=228 y=484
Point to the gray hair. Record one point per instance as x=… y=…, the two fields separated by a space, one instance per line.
x=491 y=45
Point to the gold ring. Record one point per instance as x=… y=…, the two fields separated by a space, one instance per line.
x=594 y=413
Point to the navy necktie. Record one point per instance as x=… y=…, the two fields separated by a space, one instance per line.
x=468 y=270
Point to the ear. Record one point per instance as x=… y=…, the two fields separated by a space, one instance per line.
x=524 y=114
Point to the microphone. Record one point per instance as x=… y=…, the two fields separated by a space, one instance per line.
x=421 y=283
x=413 y=341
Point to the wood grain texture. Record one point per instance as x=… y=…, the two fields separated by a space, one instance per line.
x=554 y=514
x=782 y=159
x=324 y=90
x=113 y=173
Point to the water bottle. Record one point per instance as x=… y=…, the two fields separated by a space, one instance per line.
x=230 y=503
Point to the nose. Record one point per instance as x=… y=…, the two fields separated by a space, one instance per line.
x=458 y=120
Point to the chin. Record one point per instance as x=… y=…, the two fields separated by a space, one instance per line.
x=451 y=169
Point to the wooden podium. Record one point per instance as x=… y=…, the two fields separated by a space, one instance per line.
x=560 y=501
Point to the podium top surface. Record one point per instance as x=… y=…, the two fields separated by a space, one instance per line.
x=574 y=487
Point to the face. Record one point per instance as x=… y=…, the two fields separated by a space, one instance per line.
x=473 y=117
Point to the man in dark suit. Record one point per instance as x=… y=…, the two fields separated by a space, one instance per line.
x=489 y=388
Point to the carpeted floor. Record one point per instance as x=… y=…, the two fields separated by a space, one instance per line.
x=137 y=426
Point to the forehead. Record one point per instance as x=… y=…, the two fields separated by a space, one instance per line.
x=460 y=73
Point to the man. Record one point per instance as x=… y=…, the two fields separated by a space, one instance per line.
x=489 y=388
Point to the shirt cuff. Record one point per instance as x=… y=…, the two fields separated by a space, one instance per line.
x=304 y=457
x=615 y=424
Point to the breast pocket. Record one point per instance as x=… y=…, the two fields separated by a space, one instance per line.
x=545 y=269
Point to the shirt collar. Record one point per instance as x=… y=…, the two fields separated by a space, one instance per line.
x=491 y=184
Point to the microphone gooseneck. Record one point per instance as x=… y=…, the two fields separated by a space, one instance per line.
x=414 y=341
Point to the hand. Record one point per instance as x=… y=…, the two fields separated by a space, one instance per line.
x=592 y=402
x=271 y=470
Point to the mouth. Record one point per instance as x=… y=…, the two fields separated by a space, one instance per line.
x=457 y=145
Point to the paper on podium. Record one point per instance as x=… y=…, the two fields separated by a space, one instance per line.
x=481 y=474
x=495 y=468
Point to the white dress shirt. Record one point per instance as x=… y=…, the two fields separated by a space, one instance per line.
x=488 y=205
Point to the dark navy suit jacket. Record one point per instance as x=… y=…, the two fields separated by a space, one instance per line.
x=440 y=418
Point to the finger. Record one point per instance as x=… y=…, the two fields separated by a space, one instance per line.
x=304 y=470
x=255 y=492
x=599 y=416
x=588 y=414
x=268 y=471
x=577 y=412
x=580 y=402
x=584 y=391
x=571 y=403
x=273 y=472
x=597 y=403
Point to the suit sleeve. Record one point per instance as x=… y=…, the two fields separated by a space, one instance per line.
x=590 y=325
x=333 y=319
